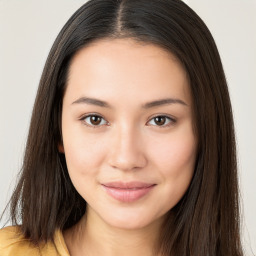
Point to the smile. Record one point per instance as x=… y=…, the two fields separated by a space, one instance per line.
x=127 y=192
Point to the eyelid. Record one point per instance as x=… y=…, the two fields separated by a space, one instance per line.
x=171 y=118
x=83 y=117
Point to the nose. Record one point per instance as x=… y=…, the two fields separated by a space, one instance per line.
x=127 y=151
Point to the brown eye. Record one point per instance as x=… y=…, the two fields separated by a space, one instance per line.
x=160 y=120
x=94 y=120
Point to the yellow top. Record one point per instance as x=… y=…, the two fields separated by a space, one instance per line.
x=12 y=243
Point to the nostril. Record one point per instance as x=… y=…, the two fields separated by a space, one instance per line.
x=128 y=162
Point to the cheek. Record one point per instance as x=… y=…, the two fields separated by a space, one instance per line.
x=83 y=154
x=84 y=158
x=175 y=158
x=176 y=152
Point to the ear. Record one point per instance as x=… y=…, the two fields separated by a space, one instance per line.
x=61 y=148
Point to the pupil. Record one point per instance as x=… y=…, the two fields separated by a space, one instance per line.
x=160 y=120
x=95 y=120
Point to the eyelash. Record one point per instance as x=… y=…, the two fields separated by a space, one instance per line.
x=83 y=119
x=172 y=120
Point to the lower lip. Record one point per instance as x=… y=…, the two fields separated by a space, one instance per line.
x=127 y=195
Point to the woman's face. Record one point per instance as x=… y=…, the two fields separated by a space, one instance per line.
x=127 y=131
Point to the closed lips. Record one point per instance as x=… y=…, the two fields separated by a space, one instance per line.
x=127 y=185
x=127 y=192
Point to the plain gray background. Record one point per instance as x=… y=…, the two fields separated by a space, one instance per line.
x=27 y=31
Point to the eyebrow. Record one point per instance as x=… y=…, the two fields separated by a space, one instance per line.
x=156 y=103
x=92 y=101
x=161 y=102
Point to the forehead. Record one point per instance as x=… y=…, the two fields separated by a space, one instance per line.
x=126 y=67
x=126 y=50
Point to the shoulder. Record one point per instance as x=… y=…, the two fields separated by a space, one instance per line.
x=12 y=242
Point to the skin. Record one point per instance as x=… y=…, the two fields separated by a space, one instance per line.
x=127 y=144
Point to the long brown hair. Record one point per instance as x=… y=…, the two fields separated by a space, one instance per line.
x=206 y=220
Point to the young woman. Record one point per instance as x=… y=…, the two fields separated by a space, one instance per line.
x=131 y=148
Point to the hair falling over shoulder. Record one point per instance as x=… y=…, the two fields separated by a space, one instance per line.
x=206 y=220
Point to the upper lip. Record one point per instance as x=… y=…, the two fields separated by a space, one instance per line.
x=132 y=184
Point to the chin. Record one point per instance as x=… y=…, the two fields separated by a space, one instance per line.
x=130 y=221
x=128 y=225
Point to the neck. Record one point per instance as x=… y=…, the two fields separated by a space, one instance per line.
x=93 y=237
